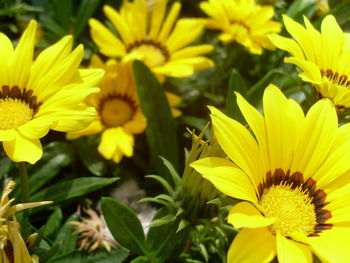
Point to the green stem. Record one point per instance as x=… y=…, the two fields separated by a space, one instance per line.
x=24 y=181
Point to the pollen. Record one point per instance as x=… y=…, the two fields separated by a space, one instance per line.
x=14 y=113
x=293 y=209
x=116 y=111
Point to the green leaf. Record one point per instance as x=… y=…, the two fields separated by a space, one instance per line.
x=255 y=93
x=63 y=13
x=57 y=155
x=85 y=11
x=124 y=225
x=161 y=130
x=142 y=259
x=117 y=255
x=91 y=158
x=236 y=84
x=66 y=239
x=72 y=188
x=53 y=223
x=162 y=240
x=5 y=166
x=174 y=175
x=300 y=8
x=163 y=182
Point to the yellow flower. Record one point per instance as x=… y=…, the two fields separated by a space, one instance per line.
x=12 y=246
x=36 y=96
x=119 y=114
x=322 y=7
x=159 y=41
x=322 y=56
x=242 y=21
x=292 y=175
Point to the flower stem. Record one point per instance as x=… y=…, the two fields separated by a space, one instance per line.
x=24 y=181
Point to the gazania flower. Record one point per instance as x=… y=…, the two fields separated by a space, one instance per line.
x=242 y=21
x=119 y=114
x=12 y=246
x=92 y=231
x=36 y=96
x=322 y=56
x=292 y=175
x=158 y=40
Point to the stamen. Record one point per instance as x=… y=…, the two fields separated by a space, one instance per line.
x=16 y=107
x=297 y=205
x=116 y=110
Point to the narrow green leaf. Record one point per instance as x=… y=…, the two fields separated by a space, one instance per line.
x=142 y=259
x=236 y=84
x=124 y=225
x=91 y=158
x=174 y=175
x=66 y=239
x=255 y=93
x=63 y=13
x=161 y=130
x=163 y=182
x=5 y=166
x=57 y=155
x=163 y=240
x=53 y=223
x=86 y=9
x=167 y=219
x=72 y=188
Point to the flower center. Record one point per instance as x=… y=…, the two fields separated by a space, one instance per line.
x=16 y=107
x=151 y=53
x=292 y=208
x=296 y=204
x=336 y=78
x=116 y=110
x=14 y=113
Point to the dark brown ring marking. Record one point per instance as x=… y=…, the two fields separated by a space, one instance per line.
x=318 y=197
x=336 y=78
x=24 y=95
x=122 y=97
x=150 y=42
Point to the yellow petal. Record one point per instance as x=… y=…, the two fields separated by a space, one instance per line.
x=238 y=144
x=289 y=251
x=178 y=39
x=6 y=53
x=108 y=144
x=301 y=35
x=287 y=44
x=37 y=127
x=283 y=127
x=107 y=42
x=245 y=214
x=49 y=58
x=21 y=60
x=332 y=245
x=23 y=149
x=125 y=141
x=192 y=51
x=119 y=23
x=157 y=18
x=256 y=245
x=169 y=22
x=230 y=180
x=316 y=138
x=93 y=128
